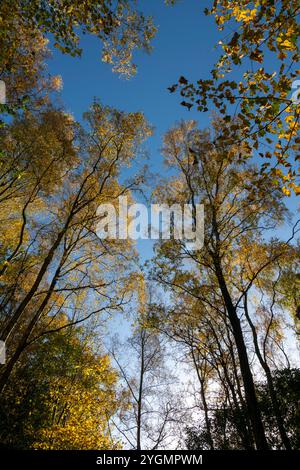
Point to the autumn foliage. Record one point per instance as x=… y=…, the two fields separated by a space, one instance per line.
x=209 y=357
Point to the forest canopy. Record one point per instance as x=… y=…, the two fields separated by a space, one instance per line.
x=106 y=346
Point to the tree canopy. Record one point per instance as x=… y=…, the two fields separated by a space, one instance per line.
x=195 y=347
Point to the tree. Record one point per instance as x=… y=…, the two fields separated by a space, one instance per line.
x=61 y=395
x=57 y=261
x=287 y=289
x=240 y=205
x=148 y=421
x=206 y=340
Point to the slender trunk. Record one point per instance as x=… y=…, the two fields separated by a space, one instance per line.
x=7 y=330
x=23 y=343
x=279 y=420
x=10 y=365
x=203 y=398
x=248 y=439
x=251 y=399
x=140 y=398
x=245 y=437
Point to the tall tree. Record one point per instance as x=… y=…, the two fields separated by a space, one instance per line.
x=148 y=421
x=240 y=204
x=57 y=261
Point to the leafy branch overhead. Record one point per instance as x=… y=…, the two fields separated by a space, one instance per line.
x=118 y=25
x=260 y=44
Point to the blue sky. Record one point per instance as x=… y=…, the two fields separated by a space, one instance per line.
x=184 y=45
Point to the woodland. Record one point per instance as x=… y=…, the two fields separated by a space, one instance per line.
x=211 y=358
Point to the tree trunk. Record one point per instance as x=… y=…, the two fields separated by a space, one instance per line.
x=140 y=397
x=7 y=330
x=249 y=444
x=203 y=398
x=251 y=399
x=280 y=423
x=23 y=343
x=246 y=437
